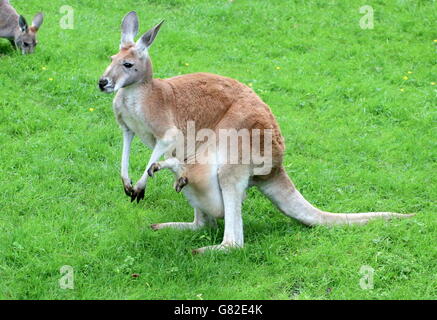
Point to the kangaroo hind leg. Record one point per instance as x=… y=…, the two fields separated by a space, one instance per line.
x=233 y=180
x=201 y=220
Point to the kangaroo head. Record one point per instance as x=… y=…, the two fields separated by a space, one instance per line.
x=25 y=38
x=132 y=63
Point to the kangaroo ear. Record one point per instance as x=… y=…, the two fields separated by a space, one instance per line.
x=23 y=24
x=37 y=21
x=147 y=39
x=129 y=29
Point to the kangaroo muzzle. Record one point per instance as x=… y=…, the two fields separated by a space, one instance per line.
x=105 y=85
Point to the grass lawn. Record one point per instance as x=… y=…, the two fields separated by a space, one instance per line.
x=357 y=109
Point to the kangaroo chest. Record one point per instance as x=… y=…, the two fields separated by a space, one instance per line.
x=129 y=112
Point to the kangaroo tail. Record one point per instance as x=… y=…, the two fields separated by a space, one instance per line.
x=281 y=191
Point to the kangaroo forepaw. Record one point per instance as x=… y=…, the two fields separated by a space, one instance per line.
x=127 y=185
x=153 y=168
x=138 y=194
x=181 y=183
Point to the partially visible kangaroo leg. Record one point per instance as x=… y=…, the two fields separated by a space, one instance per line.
x=201 y=220
x=234 y=180
x=281 y=191
x=173 y=164
x=177 y=167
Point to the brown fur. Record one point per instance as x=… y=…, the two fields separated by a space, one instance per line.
x=211 y=101
x=153 y=108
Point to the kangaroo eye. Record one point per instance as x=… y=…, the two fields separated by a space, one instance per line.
x=128 y=65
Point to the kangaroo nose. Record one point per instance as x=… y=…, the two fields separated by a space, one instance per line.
x=102 y=83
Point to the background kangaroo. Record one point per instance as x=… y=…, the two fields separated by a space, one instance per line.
x=15 y=28
x=156 y=109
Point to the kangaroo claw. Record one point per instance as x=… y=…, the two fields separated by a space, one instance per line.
x=138 y=195
x=153 y=168
x=128 y=189
x=181 y=183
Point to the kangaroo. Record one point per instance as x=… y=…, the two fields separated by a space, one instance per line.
x=15 y=28
x=156 y=110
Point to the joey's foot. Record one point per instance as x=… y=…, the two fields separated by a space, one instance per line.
x=138 y=194
x=181 y=183
x=153 y=168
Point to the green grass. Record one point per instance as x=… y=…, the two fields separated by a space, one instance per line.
x=355 y=142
